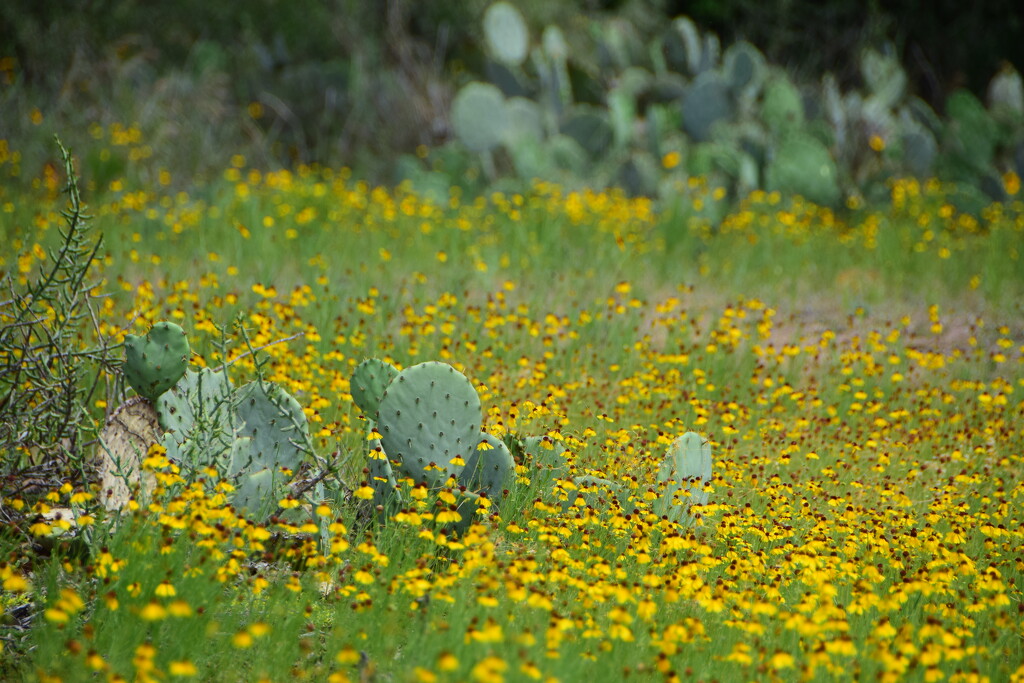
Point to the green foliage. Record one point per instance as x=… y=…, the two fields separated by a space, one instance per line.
x=52 y=358
x=154 y=363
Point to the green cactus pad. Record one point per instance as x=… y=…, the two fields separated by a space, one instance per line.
x=744 y=67
x=638 y=175
x=508 y=38
x=683 y=47
x=467 y=505
x=275 y=423
x=490 y=469
x=368 y=382
x=198 y=396
x=685 y=472
x=590 y=127
x=429 y=416
x=381 y=478
x=782 y=109
x=154 y=363
x=706 y=102
x=525 y=122
x=971 y=134
x=802 y=165
x=884 y=77
x=255 y=492
x=479 y=116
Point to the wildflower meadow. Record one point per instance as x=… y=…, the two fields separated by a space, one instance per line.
x=857 y=372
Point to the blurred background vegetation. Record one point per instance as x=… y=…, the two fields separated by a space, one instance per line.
x=171 y=92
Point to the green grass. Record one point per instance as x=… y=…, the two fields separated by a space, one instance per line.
x=861 y=388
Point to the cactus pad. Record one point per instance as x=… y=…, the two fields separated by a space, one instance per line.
x=706 y=102
x=203 y=396
x=382 y=478
x=685 y=471
x=275 y=424
x=154 y=363
x=368 y=382
x=490 y=469
x=782 y=109
x=124 y=443
x=802 y=165
x=508 y=38
x=429 y=416
x=479 y=116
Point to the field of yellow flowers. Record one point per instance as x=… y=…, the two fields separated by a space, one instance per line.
x=859 y=374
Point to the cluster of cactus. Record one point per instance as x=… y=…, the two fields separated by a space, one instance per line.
x=428 y=419
x=424 y=430
x=253 y=435
x=611 y=116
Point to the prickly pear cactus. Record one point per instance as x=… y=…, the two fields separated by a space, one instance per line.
x=479 y=116
x=202 y=397
x=685 y=472
x=802 y=165
x=706 y=102
x=781 y=109
x=274 y=423
x=590 y=127
x=254 y=485
x=154 y=363
x=382 y=479
x=508 y=38
x=124 y=443
x=490 y=469
x=744 y=67
x=368 y=382
x=429 y=420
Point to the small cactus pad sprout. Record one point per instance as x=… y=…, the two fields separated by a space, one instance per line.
x=685 y=472
x=154 y=363
x=429 y=420
x=368 y=382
